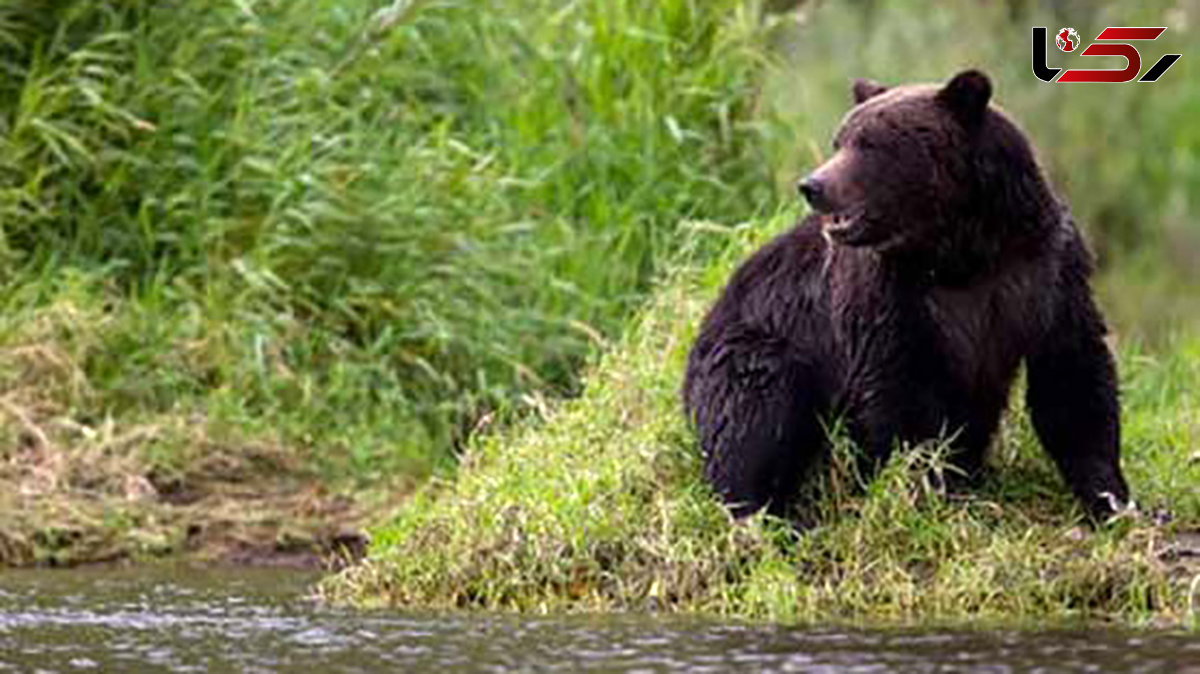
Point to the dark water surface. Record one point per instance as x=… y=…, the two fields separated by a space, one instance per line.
x=184 y=619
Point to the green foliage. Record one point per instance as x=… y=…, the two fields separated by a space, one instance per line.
x=384 y=217
x=600 y=506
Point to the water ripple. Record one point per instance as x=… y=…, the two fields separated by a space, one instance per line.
x=252 y=620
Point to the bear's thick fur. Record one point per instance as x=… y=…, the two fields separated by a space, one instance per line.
x=938 y=260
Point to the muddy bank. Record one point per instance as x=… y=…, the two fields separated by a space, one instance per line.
x=107 y=454
x=73 y=504
x=74 y=493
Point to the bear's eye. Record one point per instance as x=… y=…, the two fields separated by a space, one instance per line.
x=866 y=144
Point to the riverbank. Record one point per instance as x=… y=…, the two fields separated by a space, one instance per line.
x=598 y=505
x=107 y=454
x=79 y=485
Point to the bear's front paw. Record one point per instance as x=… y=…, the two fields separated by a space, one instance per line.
x=1109 y=508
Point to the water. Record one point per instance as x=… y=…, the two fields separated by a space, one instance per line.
x=183 y=619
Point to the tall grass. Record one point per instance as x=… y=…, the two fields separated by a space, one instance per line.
x=369 y=221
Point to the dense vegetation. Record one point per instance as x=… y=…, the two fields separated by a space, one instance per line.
x=355 y=223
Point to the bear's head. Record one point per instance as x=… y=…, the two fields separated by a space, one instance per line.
x=918 y=166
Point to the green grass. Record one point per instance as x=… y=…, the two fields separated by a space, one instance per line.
x=600 y=505
x=364 y=223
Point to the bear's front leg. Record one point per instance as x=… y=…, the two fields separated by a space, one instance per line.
x=896 y=385
x=898 y=406
x=1072 y=399
x=757 y=411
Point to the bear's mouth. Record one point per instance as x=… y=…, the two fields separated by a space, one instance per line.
x=838 y=222
x=846 y=228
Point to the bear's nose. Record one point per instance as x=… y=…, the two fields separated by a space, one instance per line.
x=813 y=191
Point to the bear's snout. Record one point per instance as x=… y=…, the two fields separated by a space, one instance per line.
x=814 y=192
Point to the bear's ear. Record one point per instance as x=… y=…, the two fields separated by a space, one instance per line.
x=967 y=95
x=864 y=89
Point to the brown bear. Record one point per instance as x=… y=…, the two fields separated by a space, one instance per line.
x=938 y=260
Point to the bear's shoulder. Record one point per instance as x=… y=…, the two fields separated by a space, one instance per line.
x=789 y=263
x=778 y=284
